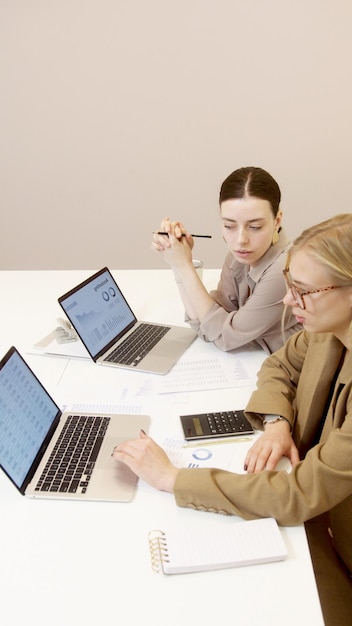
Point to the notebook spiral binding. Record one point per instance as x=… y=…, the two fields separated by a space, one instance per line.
x=158 y=549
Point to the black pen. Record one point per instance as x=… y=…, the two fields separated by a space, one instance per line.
x=159 y=232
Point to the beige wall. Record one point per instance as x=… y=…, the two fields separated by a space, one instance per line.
x=115 y=113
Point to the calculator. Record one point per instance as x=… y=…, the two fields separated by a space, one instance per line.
x=215 y=424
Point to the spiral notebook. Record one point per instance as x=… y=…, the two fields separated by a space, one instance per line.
x=186 y=550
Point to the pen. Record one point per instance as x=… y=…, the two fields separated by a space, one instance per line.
x=160 y=232
x=205 y=443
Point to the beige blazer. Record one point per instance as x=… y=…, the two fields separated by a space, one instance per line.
x=294 y=382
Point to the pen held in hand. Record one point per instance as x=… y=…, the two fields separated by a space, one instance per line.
x=159 y=232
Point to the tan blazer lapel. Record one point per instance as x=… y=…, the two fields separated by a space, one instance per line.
x=313 y=394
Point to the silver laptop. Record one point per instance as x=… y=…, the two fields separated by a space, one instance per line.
x=50 y=454
x=111 y=333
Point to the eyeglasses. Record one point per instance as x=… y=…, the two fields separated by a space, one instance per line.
x=298 y=293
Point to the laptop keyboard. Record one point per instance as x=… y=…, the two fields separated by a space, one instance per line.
x=133 y=349
x=72 y=460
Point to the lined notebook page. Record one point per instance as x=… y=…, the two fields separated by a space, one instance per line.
x=176 y=551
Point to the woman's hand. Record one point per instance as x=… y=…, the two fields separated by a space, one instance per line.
x=148 y=460
x=176 y=248
x=176 y=245
x=274 y=443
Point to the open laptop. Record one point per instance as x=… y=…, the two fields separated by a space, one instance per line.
x=111 y=333
x=50 y=454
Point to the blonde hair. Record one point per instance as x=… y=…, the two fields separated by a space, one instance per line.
x=330 y=244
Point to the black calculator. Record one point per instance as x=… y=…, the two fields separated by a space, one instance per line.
x=215 y=424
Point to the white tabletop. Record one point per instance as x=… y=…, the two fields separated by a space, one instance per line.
x=65 y=563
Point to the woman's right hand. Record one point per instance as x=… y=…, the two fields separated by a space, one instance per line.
x=174 y=230
x=176 y=245
x=148 y=461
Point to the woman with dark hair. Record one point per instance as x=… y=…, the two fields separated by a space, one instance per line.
x=247 y=304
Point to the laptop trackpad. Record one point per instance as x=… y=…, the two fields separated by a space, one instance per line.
x=112 y=480
x=170 y=347
x=116 y=469
x=105 y=460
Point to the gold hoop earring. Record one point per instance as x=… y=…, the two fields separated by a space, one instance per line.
x=275 y=238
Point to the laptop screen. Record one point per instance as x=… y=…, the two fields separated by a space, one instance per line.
x=98 y=311
x=27 y=413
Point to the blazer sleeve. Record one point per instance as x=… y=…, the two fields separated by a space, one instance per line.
x=277 y=381
x=318 y=483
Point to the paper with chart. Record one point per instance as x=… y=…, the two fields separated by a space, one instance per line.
x=213 y=370
x=214 y=454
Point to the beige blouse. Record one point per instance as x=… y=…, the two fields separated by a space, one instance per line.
x=248 y=304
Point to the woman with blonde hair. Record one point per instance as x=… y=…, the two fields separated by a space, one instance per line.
x=303 y=402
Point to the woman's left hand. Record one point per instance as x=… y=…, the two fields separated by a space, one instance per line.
x=274 y=443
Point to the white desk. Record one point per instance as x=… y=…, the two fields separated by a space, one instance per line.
x=71 y=563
